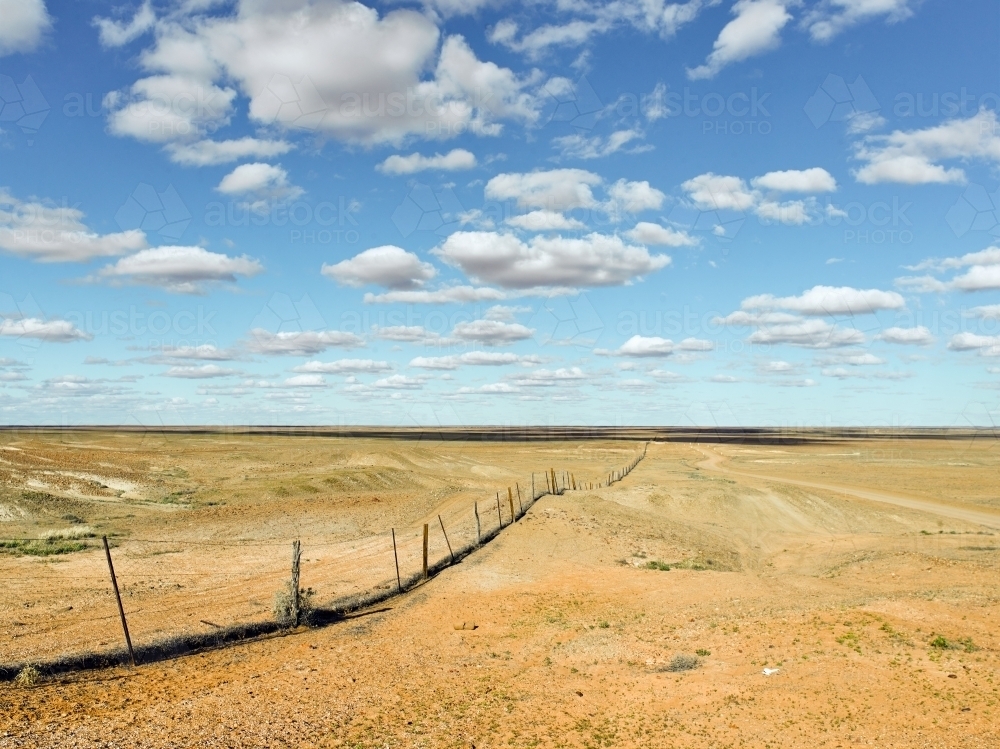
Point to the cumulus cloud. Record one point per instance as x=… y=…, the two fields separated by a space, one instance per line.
x=782 y=327
x=214 y=152
x=917 y=336
x=204 y=372
x=116 y=33
x=986 y=345
x=564 y=376
x=24 y=25
x=491 y=332
x=830 y=17
x=552 y=190
x=182 y=270
x=509 y=262
x=982 y=273
x=829 y=300
x=299 y=342
x=52 y=331
x=633 y=197
x=416 y=334
x=653 y=346
x=51 y=234
x=719 y=192
x=455 y=160
x=336 y=68
x=543 y=220
x=812 y=180
x=914 y=157
x=817 y=334
x=388 y=266
x=475 y=359
x=756 y=29
x=649 y=233
x=447 y=295
x=263 y=181
x=344 y=366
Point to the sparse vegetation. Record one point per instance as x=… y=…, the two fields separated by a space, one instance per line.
x=655 y=564
x=682 y=662
x=43 y=547
x=702 y=652
x=282 y=609
x=27 y=677
x=940 y=642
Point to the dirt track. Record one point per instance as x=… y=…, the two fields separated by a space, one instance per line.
x=846 y=597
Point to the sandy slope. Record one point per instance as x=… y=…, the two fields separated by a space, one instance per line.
x=843 y=595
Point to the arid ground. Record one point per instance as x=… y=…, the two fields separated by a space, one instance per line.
x=827 y=594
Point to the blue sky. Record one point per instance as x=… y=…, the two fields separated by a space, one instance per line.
x=765 y=212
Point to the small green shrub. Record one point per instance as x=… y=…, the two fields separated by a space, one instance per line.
x=656 y=564
x=702 y=652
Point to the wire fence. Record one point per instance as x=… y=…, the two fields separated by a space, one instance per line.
x=178 y=595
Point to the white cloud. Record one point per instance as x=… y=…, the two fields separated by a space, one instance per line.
x=24 y=24
x=183 y=270
x=505 y=260
x=648 y=233
x=305 y=381
x=830 y=17
x=388 y=266
x=214 y=152
x=411 y=334
x=447 y=295
x=491 y=332
x=756 y=29
x=299 y=342
x=53 y=234
x=263 y=181
x=204 y=372
x=344 y=366
x=914 y=157
x=812 y=180
x=829 y=300
x=543 y=220
x=336 y=68
x=653 y=346
x=778 y=367
x=918 y=336
x=473 y=358
x=455 y=160
x=53 y=331
x=726 y=379
x=982 y=274
x=579 y=146
x=203 y=352
x=985 y=312
x=504 y=313
x=116 y=33
x=633 y=197
x=551 y=378
x=400 y=382
x=169 y=108
x=986 y=345
x=817 y=334
x=715 y=192
x=853 y=359
x=552 y=190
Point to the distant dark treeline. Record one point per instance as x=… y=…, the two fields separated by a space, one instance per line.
x=735 y=435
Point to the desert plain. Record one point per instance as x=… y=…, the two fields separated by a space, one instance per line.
x=820 y=592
